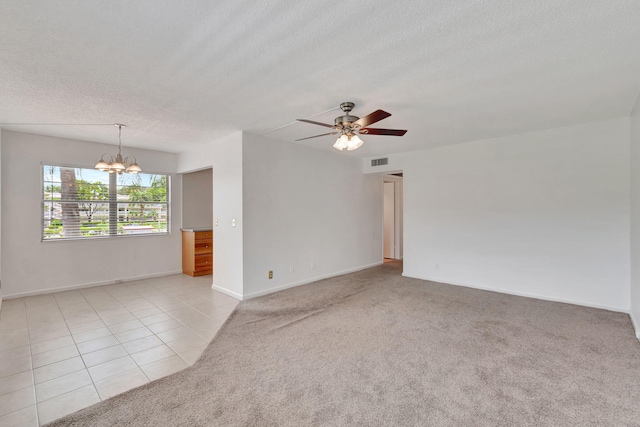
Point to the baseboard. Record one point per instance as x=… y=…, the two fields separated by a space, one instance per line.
x=90 y=285
x=226 y=291
x=636 y=324
x=522 y=294
x=310 y=280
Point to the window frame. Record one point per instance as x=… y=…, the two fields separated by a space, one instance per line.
x=43 y=203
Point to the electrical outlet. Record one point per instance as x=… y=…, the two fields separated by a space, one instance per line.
x=291 y=268
x=313 y=265
x=270 y=274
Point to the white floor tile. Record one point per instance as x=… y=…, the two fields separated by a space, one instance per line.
x=100 y=342
x=118 y=319
x=91 y=335
x=26 y=417
x=67 y=403
x=11 y=402
x=53 y=356
x=97 y=344
x=104 y=355
x=13 y=338
x=40 y=335
x=54 y=344
x=164 y=326
x=125 y=326
x=62 y=385
x=157 y=318
x=164 y=367
x=120 y=383
x=58 y=369
x=190 y=356
x=182 y=345
x=142 y=344
x=134 y=334
x=16 y=382
x=140 y=314
x=112 y=367
x=153 y=354
x=77 y=319
x=86 y=327
x=14 y=361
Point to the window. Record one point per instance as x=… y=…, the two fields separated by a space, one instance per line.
x=84 y=203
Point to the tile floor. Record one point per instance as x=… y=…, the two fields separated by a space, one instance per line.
x=65 y=351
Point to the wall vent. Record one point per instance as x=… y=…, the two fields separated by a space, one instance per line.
x=380 y=162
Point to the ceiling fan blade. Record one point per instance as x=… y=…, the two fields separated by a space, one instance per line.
x=316 y=123
x=390 y=132
x=376 y=116
x=324 y=134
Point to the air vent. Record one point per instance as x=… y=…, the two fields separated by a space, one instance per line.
x=380 y=162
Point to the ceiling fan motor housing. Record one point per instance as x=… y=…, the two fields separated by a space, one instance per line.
x=345 y=120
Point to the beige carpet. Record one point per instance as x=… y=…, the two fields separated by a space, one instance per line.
x=373 y=348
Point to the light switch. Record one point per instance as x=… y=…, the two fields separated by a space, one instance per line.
x=233 y=222
x=216 y=222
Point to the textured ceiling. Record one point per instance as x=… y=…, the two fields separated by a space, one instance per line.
x=184 y=73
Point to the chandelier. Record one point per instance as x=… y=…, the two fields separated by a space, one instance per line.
x=117 y=163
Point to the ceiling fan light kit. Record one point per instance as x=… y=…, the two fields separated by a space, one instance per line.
x=349 y=142
x=349 y=127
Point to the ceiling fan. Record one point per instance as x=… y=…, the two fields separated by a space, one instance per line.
x=349 y=127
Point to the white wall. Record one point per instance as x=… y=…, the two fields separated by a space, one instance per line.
x=304 y=206
x=400 y=220
x=197 y=199
x=224 y=156
x=0 y=220
x=31 y=266
x=635 y=216
x=544 y=214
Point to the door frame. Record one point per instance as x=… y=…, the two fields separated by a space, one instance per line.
x=398 y=214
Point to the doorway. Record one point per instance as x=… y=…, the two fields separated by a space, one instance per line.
x=197 y=199
x=393 y=213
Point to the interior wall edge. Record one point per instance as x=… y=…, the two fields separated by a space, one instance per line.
x=226 y=291
x=625 y=310
x=309 y=280
x=91 y=284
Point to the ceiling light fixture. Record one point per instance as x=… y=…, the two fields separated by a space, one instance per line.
x=349 y=141
x=118 y=164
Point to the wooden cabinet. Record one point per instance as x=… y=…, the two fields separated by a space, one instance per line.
x=197 y=252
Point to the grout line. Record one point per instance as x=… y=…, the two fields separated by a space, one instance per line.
x=33 y=377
